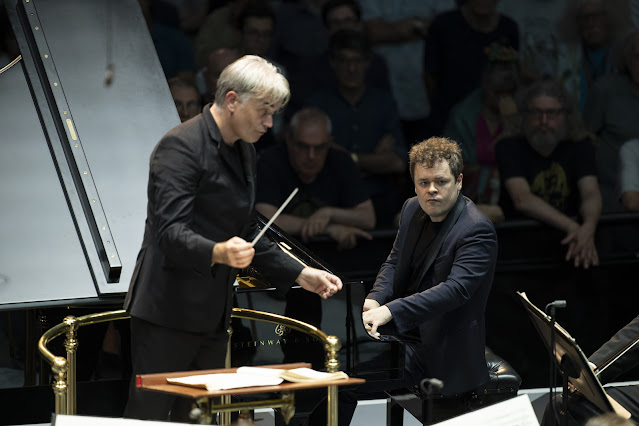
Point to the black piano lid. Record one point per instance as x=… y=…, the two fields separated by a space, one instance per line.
x=74 y=152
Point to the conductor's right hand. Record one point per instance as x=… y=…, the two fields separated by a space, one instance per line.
x=235 y=252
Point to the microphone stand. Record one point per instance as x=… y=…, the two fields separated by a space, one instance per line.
x=553 y=363
x=428 y=386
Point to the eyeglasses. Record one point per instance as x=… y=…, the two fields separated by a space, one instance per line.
x=550 y=113
x=349 y=60
x=334 y=23
x=258 y=33
x=585 y=17
x=304 y=147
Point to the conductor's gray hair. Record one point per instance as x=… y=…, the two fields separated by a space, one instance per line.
x=253 y=77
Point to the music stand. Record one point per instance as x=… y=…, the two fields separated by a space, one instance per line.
x=571 y=361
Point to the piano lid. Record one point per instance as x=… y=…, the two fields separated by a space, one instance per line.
x=74 y=152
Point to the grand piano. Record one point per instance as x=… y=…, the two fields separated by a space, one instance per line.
x=74 y=156
x=74 y=163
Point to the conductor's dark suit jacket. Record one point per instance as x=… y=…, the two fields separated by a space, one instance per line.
x=446 y=313
x=198 y=196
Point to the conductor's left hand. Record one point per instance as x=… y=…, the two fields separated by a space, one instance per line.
x=320 y=282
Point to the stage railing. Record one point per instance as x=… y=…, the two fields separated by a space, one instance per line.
x=64 y=369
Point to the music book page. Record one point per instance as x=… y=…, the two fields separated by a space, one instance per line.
x=254 y=376
x=293 y=375
x=222 y=381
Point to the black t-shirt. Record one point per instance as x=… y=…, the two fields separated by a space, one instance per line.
x=426 y=236
x=234 y=157
x=553 y=178
x=337 y=185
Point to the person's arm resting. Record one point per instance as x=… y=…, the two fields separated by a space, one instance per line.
x=534 y=207
x=289 y=223
x=361 y=216
x=581 y=242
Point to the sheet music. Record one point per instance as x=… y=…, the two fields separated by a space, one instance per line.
x=516 y=411
x=67 y=420
x=566 y=347
x=226 y=381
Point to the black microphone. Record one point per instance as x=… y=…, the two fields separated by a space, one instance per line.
x=429 y=385
x=556 y=304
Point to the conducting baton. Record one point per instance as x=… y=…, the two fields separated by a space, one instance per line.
x=277 y=213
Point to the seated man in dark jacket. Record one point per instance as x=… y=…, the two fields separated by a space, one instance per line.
x=431 y=291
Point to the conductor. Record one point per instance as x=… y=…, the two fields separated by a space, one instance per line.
x=200 y=214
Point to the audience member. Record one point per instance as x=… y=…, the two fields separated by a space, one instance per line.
x=397 y=29
x=477 y=122
x=611 y=113
x=299 y=33
x=185 y=15
x=548 y=171
x=299 y=38
x=206 y=78
x=172 y=46
x=219 y=30
x=629 y=174
x=332 y=199
x=339 y=15
x=431 y=292
x=186 y=98
x=542 y=54
x=342 y=15
x=365 y=122
x=580 y=410
x=257 y=25
x=455 y=53
x=590 y=29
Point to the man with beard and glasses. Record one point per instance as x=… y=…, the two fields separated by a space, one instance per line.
x=548 y=171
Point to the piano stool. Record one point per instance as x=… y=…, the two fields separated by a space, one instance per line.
x=503 y=384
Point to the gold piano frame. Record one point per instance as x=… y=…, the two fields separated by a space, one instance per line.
x=64 y=369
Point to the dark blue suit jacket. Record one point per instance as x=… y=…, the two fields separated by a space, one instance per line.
x=447 y=311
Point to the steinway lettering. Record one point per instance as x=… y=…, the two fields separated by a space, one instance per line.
x=273 y=342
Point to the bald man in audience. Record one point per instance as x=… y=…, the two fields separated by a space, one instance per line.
x=333 y=199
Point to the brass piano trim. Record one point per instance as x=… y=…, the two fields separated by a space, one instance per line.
x=64 y=369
